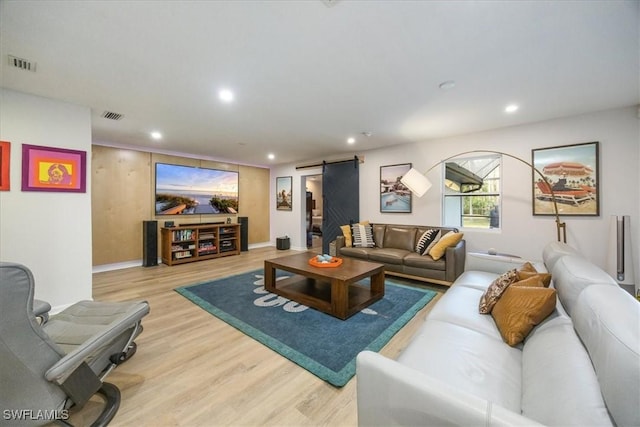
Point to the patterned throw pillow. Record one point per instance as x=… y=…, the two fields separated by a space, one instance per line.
x=427 y=238
x=495 y=290
x=362 y=235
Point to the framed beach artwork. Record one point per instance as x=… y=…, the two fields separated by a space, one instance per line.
x=53 y=169
x=284 y=193
x=571 y=172
x=395 y=197
x=5 y=153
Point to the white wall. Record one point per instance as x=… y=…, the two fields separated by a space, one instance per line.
x=618 y=132
x=49 y=232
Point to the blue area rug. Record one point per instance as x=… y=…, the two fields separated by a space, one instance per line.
x=322 y=344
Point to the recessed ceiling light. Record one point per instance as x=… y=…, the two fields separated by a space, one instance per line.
x=271 y=156
x=449 y=84
x=156 y=135
x=225 y=95
x=511 y=108
x=351 y=141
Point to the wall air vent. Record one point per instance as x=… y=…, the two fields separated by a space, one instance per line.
x=111 y=115
x=329 y=3
x=21 y=63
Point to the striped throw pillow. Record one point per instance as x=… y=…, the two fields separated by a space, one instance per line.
x=362 y=235
x=428 y=237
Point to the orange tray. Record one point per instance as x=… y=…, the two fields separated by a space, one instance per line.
x=335 y=262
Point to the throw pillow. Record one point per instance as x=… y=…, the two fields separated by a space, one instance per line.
x=520 y=308
x=527 y=266
x=534 y=281
x=425 y=241
x=346 y=232
x=495 y=290
x=545 y=277
x=362 y=235
x=450 y=239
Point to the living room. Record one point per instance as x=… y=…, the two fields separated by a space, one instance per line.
x=66 y=238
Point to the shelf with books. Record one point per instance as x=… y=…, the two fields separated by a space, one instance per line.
x=199 y=242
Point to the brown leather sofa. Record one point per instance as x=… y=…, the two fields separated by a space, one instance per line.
x=395 y=248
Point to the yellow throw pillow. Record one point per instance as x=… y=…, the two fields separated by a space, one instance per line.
x=527 y=266
x=545 y=277
x=450 y=239
x=534 y=281
x=520 y=308
x=346 y=232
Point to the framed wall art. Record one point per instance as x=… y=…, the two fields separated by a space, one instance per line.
x=571 y=172
x=395 y=197
x=5 y=163
x=53 y=169
x=284 y=193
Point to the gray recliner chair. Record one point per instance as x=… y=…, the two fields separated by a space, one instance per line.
x=50 y=363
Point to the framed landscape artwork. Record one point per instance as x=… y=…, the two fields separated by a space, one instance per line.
x=5 y=153
x=571 y=172
x=395 y=197
x=53 y=169
x=284 y=193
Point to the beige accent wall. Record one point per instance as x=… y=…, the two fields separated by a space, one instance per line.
x=123 y=197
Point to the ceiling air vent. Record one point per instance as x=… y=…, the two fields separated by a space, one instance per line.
x=112 y=116
x=21 y=63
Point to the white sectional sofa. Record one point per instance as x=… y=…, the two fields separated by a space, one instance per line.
x=580 y=366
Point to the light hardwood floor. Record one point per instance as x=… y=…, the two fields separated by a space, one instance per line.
x=192 y=369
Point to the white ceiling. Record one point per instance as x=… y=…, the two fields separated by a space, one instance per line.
x=307 y=76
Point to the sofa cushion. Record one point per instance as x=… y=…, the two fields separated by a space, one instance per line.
x=553 y=251
x=475 y=279
x=467 y=360
x=361 y=253
x=438 y=250
x=559 y=384
x=520 y=308
x=459 y=306
x=399 y=238
x=572 y=274
x=378 y=234
x=388 y=255
x=607 y=319
x=413 y=259
x=495 y=289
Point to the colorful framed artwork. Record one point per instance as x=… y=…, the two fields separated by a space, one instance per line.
x=5 y=163
x=53 y=169
x=571 y=172
x=395 y=197
x=284 y=193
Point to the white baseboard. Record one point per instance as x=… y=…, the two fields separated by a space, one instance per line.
x=138 y=262
x=117 y=266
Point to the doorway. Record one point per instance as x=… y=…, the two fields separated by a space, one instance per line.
x=313 y=214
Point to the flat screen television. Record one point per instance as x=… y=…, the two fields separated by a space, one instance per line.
x=188 y=190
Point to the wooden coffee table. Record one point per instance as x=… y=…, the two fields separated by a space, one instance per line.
x=331 y=290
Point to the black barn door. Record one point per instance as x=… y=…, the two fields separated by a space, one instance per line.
x=341 y=199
